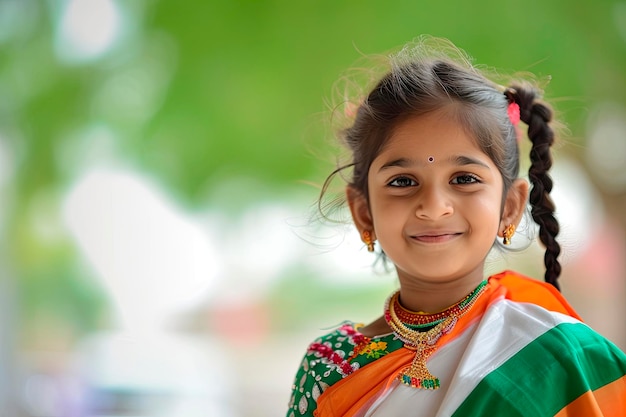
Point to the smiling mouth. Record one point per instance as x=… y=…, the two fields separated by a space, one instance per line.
x=436 y=237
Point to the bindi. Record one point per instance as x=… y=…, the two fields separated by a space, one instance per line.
x=431 y=159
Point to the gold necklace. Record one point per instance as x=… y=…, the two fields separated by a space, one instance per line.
x=424 y=343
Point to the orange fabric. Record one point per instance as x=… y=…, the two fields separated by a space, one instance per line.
x=606 y=401
x=351 y=394
x=541 y=293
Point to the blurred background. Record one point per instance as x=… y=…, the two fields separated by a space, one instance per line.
x=159 y=166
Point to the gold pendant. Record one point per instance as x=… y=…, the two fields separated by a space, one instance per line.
x=424 y=343
x=417 y=375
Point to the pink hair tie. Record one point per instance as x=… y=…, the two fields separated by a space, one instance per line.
x=513 y=112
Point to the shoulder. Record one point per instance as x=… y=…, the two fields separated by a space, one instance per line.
x=520 y=288
x=523 y=352
x=536 y=332
x=330 y=358
x=325 y=362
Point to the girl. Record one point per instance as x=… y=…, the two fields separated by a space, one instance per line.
x=434 y=182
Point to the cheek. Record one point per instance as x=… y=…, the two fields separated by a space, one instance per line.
x=388 y=216
x=487 y=212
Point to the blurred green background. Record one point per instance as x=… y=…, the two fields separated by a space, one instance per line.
x=216 y=112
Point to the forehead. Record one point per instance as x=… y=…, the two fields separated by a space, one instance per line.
x=438 y=134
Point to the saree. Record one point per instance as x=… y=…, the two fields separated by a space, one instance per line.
x=520 y=351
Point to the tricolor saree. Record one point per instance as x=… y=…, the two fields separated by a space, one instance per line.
x=520 y=351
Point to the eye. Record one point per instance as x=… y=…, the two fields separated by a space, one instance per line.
x=465 y=179
x=402 y=182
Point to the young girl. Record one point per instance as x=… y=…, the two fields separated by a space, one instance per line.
x=434 y=182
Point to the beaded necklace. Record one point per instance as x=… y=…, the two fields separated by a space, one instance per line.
x=420 y=332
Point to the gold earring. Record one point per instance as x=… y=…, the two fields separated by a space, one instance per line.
x=508 y=233
x=367 y=239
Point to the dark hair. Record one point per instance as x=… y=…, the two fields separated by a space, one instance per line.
x=418 y=83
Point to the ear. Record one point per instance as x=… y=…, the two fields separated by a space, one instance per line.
x=359 y=207
x=514 y=205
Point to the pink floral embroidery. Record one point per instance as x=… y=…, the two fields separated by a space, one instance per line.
x=335 y=358
x=357 y=338
x=326 y=351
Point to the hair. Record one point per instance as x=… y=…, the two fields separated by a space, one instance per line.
x=423 y=79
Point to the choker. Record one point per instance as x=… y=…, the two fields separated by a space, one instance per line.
x=420 y=332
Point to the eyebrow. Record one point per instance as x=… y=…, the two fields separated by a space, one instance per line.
x=400 y=162
x=460 y=160
x=467 y=160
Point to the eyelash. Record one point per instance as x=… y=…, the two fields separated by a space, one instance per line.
x=473 y=180
x=395 y=180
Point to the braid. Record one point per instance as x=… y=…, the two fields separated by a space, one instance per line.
x=537 y=116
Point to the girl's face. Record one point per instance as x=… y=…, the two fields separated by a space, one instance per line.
x=435 y=201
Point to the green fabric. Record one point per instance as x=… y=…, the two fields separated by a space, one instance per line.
x=524 y=385
x=316 y=373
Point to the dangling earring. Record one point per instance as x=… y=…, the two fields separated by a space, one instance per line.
x=367 y=239
x=508 y=233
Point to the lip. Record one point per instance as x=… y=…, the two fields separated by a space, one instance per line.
x=435 y=236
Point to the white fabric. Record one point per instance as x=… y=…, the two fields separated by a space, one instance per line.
x=505 y=328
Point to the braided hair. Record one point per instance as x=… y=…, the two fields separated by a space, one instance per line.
x=537 y=116
x=422 y=79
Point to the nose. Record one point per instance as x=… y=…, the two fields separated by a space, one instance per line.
x=433 y=203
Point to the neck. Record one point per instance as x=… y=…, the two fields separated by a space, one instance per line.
x=435 y=296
